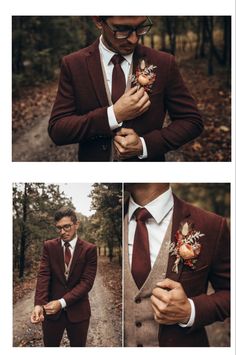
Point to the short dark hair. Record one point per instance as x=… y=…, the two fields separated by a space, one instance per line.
x=103 y=18
x=65 y=212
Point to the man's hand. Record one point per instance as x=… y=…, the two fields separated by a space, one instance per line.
x=170 y=303
x=127 y=144
x=52 y=307
x=131 y=104
x=37 y=315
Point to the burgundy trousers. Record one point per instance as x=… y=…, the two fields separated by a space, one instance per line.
x=53 y=331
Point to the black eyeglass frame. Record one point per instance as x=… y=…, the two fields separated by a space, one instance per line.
x=66 y=228
x=131 y=30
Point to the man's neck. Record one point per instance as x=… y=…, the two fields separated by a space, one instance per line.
x=142 y=194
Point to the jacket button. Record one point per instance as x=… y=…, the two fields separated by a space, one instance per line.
x=138 y=300
x=138 y=324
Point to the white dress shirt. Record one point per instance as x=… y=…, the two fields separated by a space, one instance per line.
x=106 y=55
x=72 y=249
x=161 y=210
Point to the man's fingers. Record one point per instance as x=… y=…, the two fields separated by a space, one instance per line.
x=161 y=294
x=132 y=90
x=160 y=305
x=124 y=132
x=121 y=141
x=168 y=284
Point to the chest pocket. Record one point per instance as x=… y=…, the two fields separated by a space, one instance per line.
x=195 y=282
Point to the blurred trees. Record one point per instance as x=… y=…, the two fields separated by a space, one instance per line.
x=106 y=223
x=34 y=206
x=39 y=42
x=214 y=197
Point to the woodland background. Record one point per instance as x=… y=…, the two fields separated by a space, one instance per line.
x=33 y=209
x=201 y=44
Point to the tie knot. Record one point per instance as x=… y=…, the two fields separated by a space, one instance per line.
x=66 y=244
x=142 y=214
x=117 y=59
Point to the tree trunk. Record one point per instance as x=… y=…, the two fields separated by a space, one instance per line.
x=210 y=27
x=23 y=234
x=163 y=41
x=227 y=40
x=171 y=30
x=203 y=36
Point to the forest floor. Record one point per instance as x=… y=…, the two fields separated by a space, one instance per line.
x=32 y=110
x=106 y=307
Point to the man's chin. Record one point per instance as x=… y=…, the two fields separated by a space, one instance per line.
x=126 y=50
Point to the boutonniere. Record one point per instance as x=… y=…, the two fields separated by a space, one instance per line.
x=144 y=76
x=187 y=247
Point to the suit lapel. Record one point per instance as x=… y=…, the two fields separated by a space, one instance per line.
x=96 y=74
x=139 y=53
x=60 y=260
x=180 y=213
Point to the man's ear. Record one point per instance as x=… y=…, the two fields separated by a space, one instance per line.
x=77 y=225
x=97 y=21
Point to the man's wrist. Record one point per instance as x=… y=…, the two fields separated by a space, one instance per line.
x=191 y=319
x=144 y=154
x=62 y=302
x=112 y=120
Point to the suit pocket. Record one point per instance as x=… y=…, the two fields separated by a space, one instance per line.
x=192 y=274
x=195 y=282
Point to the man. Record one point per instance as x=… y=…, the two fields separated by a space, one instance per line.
x=171 y=251
x=114 y=116
x=66 y=275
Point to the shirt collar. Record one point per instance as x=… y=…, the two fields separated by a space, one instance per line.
x=72 y=242
x=107 y=54
x=158 y=208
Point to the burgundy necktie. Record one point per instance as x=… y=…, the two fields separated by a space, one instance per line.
x=67 y=253
x=141 y=263
x=118 y=78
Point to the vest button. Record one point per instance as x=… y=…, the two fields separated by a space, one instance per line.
x=138 y=300
x=138 y=324
x=140 y=345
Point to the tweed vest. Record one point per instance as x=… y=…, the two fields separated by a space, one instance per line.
x=140 y=328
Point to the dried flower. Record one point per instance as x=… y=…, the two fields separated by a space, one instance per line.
x=187 y=247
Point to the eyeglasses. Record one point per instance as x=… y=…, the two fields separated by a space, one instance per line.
x=66 y=228
x=123 y=32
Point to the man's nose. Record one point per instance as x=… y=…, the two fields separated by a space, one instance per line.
x=133 y=38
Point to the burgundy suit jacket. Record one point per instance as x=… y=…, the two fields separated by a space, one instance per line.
x=79 y=114
x=213 y=265
x=52 y=284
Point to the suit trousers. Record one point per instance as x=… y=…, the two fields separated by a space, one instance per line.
x=53 y=331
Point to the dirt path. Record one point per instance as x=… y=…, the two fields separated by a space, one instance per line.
x=35 y=145
x=105 y=323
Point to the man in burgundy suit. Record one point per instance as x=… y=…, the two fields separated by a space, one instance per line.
x=172 y=250
x=112 y=116
x=66 y=275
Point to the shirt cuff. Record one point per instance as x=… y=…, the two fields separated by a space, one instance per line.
x=112 y=119
x=145 y=154
x=192 y=316
x=62 y=302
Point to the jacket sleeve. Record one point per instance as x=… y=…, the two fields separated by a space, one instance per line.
x=66 y=126
x=186 y=122
x=216 y=306
x=87 y=279
x=43 y=279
